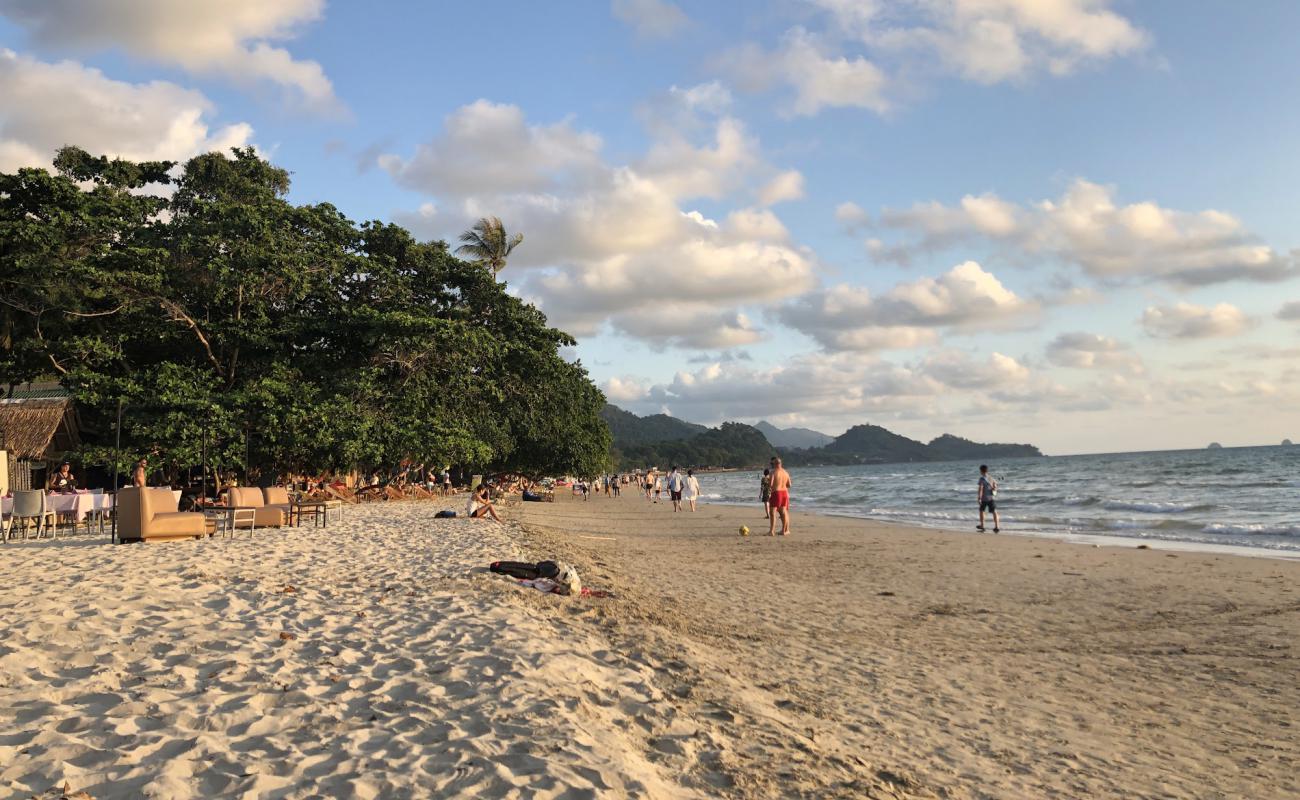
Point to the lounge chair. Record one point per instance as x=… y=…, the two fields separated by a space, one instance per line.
x=150 y=515
x=264 y=516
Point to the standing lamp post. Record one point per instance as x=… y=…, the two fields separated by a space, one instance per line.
x=117 y=470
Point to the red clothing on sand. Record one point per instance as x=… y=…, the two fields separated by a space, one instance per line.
x=779 y=499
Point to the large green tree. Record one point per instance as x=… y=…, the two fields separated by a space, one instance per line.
x=278 y=336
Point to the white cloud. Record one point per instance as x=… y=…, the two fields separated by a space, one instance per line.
x=624 y=390
x=957 y=369
x=686 y=171
x=217 y=37
x=1289 y=311
x=711 y=97
x=1086 y=227
x=609 y=242
x=1092 y=351
x=787 y=185
x=852 y=216
x=910 y=314
x=855 y=58
x=825 y=387
x=45 y=106
x=688 y=326
x=489 y=147
x=652 y=19
x=991 y=41
x=819 y=80
x=1187 y=321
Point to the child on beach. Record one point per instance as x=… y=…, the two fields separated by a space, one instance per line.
x=764 y=491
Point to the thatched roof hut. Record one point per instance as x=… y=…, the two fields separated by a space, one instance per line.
x=38 y=422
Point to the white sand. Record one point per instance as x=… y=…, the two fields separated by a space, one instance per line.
x=159 y=670
x=853 y=659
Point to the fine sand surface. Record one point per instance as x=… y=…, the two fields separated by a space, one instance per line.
x=855 y=654
x=376 y=658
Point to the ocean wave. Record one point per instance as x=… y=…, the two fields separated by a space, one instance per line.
x=1258 y=529
x=1081 y=501
x=1155 y=508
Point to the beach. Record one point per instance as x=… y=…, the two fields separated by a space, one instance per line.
x=378 y=658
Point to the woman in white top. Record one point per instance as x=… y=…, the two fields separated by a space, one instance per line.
x=692 y=491
x=480 y=504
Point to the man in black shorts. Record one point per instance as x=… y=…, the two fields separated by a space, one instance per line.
x=988 y=491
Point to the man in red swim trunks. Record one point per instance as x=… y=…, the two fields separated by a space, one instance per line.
x=779 y=499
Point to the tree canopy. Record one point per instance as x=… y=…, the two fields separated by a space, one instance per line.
x=295 y=337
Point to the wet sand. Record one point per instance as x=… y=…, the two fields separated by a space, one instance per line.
x=857 y=658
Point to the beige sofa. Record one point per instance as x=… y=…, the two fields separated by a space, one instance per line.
x=265 y=516
x=150 y=515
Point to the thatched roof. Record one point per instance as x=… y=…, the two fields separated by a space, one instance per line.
x=28 y=425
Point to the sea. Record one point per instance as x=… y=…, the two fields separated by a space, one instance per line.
x=1242 y=496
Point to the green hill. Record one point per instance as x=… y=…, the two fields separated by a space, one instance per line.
x=629 y=429
x=730 y=445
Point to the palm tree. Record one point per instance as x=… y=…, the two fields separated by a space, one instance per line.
x=488 y=243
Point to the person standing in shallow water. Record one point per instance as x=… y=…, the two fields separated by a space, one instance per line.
x=779 y=501
x=988 y=491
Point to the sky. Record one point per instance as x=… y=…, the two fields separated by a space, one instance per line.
x=1064 y=222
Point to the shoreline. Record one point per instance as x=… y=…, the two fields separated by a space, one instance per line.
x=1096 y=539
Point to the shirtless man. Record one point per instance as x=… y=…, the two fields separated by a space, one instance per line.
x=779 y=499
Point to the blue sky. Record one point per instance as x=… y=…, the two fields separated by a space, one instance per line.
x=1069 y=222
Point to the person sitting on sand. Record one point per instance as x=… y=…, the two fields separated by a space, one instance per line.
x=988 y=490
x=480 y=504
x=779 y=500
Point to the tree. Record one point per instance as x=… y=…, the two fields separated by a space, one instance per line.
x=487 y=243
x=275 y=337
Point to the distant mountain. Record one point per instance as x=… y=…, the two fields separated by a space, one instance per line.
x=872 y=444
x=661 y=440
x=629 y=429
x=799 y=438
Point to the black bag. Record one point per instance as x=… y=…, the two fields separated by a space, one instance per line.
x=444 y=514
x=515 y=569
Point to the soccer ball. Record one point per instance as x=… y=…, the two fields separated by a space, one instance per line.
x=744 y=530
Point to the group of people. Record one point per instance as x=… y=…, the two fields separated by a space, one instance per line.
x=682 y=487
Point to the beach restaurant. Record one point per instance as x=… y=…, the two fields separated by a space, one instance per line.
x=38 y=424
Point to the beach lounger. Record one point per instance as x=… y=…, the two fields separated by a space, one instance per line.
x=150 y=515
x=264 y=516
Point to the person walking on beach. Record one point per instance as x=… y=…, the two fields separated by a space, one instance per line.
x=764 y=492
x=675 y=485
x=779 y=500
x=659 y=487
x=692 y=488
x=649 y=485
x=988 y=492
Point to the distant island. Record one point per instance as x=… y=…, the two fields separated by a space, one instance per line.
x=1287 y=443
x=662 y=440
x=1214 y=446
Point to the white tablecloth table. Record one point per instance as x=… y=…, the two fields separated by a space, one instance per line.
x=79 y=506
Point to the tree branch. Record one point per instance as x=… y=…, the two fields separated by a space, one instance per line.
x=178 y=315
